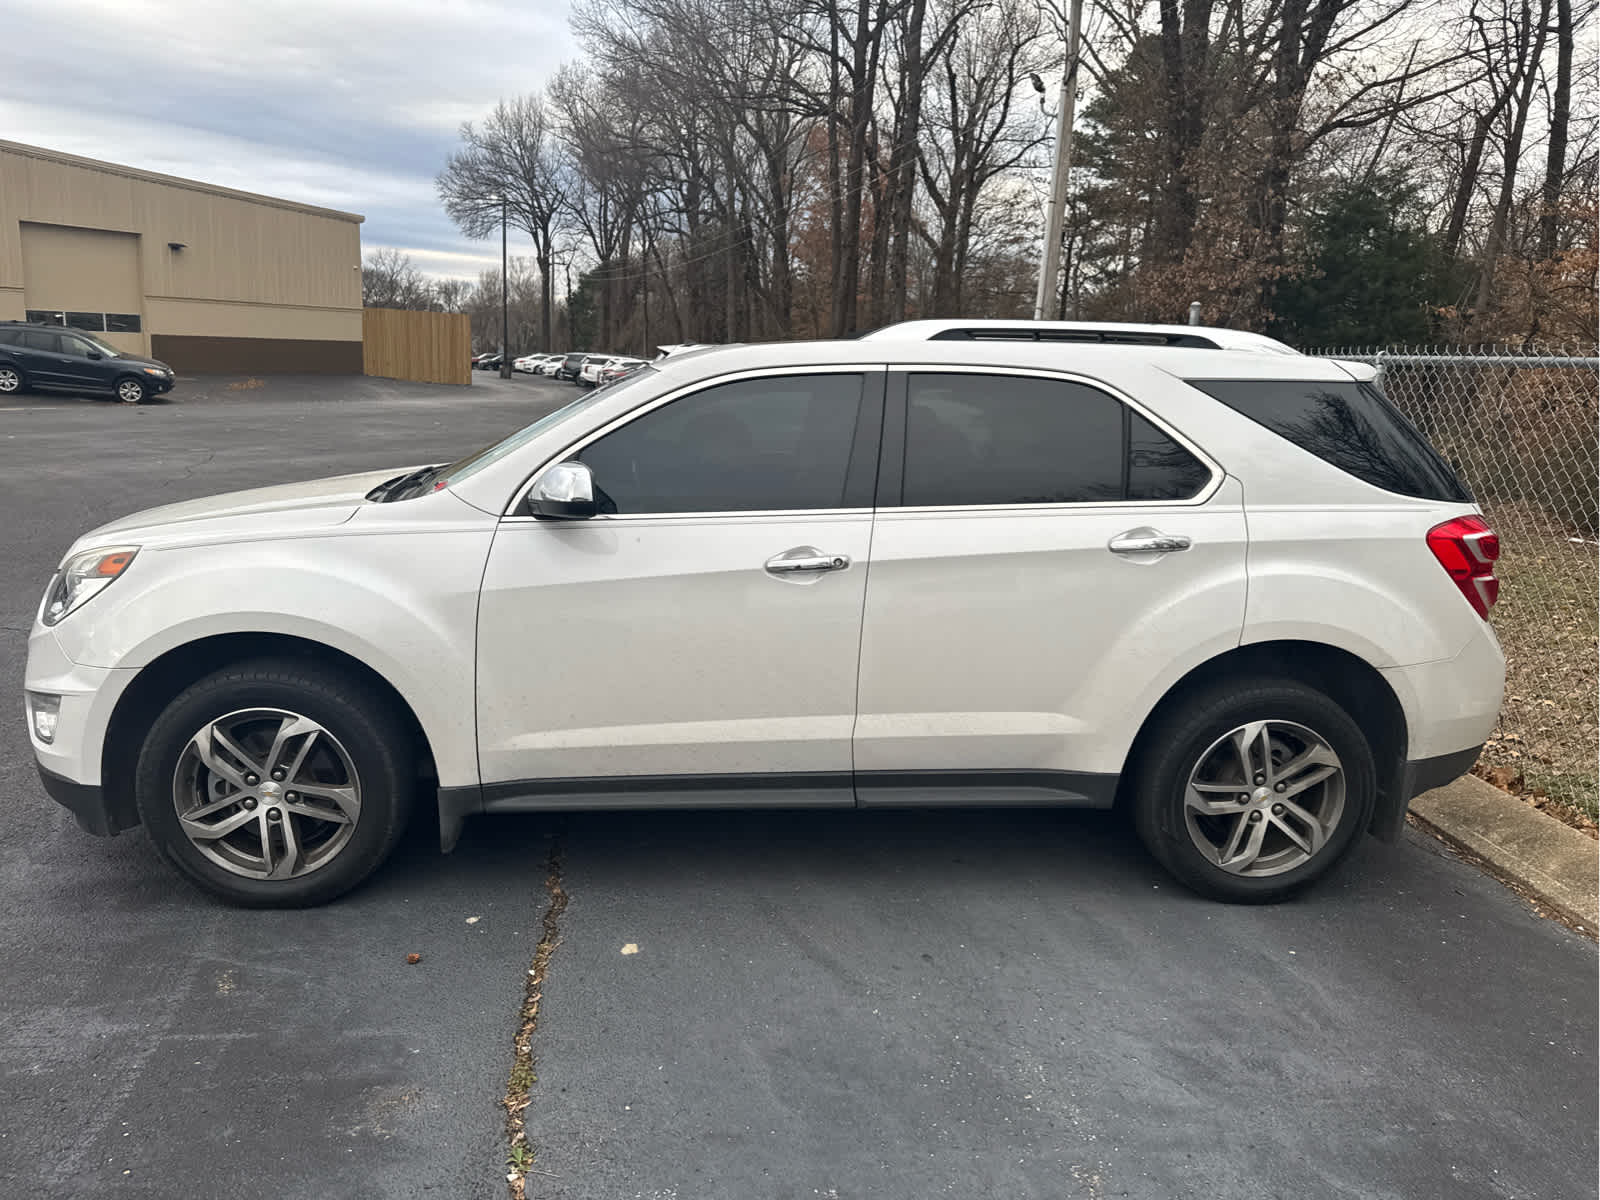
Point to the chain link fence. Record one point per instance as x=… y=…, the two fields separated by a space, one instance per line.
x=1521 y=430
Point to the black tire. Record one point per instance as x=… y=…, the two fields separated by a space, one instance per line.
x=131 y=390
x=367 y=729
x=12 y=380
x=1178 y=744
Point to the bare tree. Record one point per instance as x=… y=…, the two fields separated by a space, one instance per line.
x=512 y=155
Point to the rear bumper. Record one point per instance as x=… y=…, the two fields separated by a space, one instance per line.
x=1412 y=779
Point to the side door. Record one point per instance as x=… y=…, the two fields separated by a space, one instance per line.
x=1046 y=558
x=697 y=643
x=84 y=366
x=41 y=358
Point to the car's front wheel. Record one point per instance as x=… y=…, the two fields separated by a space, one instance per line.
x=131 y=390
x=275 y=783
x=1251 y=789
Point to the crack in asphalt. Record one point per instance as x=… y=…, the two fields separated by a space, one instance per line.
x=520 y=1154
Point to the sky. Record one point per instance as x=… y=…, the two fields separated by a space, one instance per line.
x=348 y=104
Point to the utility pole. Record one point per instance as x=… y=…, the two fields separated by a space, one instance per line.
x=505 y=308
x=1055 y=219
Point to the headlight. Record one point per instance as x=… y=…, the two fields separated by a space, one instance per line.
x=82 y=577
x=158 y=371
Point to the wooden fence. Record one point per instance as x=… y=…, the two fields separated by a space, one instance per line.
x=429 y=347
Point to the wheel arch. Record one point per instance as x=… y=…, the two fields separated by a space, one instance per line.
x=164 y=677
x=1350 y=681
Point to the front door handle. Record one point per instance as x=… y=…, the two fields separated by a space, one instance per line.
x=806 y=559
x=1145 y=540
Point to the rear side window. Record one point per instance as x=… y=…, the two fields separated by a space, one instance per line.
x=38 y=339
x=1349 y=425
x=998 y=439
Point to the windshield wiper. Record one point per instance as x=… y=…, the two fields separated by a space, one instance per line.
x=390 y=489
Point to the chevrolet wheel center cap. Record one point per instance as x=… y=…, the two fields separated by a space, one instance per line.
x=1261 y=794
x=271 y=790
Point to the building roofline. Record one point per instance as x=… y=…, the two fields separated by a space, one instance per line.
x=193 y=185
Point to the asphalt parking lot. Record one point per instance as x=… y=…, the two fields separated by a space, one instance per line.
x=903 y=1004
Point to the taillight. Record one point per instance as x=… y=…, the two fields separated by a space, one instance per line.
x=1467 y=548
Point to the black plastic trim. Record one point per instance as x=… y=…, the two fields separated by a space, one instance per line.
x=999 y=788
x=807 y=789
x=87 y=803
x=1113 y=336
x=1416 y=776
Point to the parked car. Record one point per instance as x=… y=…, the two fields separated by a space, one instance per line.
x=589 y=373
x=617 y=368
x=60 y=359
x=527 y=363
x=549 y=364
x=1186 y=572
x=487 y=362
x=571 y=365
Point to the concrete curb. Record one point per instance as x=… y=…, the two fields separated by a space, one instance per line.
x=1556 y=864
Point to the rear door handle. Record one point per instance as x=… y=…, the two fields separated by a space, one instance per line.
x=806 y=559
x=1145 y=540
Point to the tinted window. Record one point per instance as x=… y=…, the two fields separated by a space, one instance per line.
x=72 y=345
x=1347 y=424
x=997 y=439
x=122 y=323
x=35 y=339
x=10 y=337
x=1159 y=468
x=759 y=444
x=41 y=316
x=94 y=322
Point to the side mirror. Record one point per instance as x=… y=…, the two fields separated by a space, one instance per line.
x=95 y=354
x=565 y=492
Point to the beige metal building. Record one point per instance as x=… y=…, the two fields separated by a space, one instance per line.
x=202 y=277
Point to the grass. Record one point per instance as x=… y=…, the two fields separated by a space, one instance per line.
x=1548 y=622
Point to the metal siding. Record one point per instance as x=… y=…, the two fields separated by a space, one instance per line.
x=240 y=251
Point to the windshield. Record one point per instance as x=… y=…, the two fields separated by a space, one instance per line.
x=473 y=463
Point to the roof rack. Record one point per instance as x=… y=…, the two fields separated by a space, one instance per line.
x=1111 y=336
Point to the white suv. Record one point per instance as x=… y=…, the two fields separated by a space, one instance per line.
x=1227 y=589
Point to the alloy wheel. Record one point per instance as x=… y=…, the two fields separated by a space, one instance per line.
x=1264 y=798
x=130 y=391
x=10 y=381
x=266 y=793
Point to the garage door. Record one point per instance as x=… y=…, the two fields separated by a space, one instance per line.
x=86 y=278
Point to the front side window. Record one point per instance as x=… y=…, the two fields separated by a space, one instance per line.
x=76 y=346
x=1000 y=439
x=756 y=445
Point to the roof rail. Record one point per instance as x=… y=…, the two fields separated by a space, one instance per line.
x=1107 y=336
x=1113 y=333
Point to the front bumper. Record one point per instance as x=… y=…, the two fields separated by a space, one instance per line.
x=70 y=762
x=87 y=802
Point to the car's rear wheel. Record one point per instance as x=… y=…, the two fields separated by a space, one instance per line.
x=11 y=381
x=1249 y=791
x=275 y=783
x=131 y=390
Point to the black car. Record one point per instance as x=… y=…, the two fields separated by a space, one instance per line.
x=571 y=365
x=55 y=358
x=487 y=362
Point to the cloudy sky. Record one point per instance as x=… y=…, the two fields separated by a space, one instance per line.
x=351 y=104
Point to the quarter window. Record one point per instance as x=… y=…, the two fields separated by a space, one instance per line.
x=996 y=439
x=754 y=445
x=1349 y=425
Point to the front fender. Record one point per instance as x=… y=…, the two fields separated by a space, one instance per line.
x=418 y=636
